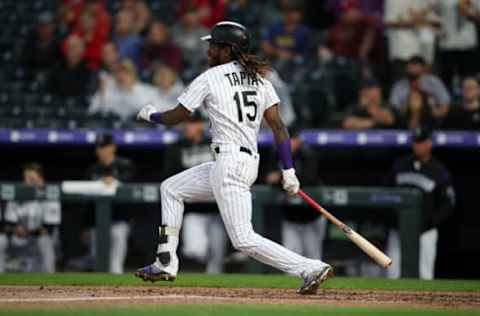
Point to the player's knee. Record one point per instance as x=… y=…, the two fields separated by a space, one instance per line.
x=243 y=240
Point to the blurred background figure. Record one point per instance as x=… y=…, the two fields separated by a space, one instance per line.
x=111 y=168
x=143 y=18
x=41 y=49
x=422 y=171
x=32 y=228
x=371 y=111
x=125 y=97
x=186 y=34
x=287 y=110
x=203 y=235
x=126 y=37
x=354 y=35
x=158 y=47
x=210 y=11
x=71 y=76
x=419 y=110
x=110 y=60
x=411 y=27
x=168 y=87
x=418 y=78
x=466 y=114
x=303 y=228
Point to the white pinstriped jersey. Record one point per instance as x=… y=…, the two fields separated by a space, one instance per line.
x=234 y=102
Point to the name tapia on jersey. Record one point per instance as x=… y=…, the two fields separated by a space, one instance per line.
x=242 y=78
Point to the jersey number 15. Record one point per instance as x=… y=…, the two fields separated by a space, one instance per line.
x=247 y=103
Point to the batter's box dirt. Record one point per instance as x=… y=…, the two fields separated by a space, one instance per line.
x=61 y=296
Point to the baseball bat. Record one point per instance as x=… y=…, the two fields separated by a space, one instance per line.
x=367 y=247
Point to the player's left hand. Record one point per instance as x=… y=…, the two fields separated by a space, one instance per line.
x=290 y=181
x=145 y=112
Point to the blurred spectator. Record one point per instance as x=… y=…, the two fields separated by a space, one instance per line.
x=125 y=97
x=245 y=12
x=203 y=237
x=125 y=36
x=354 y=35
x=287 y=111
x=186 y=34
x=158 y=47
x=371 y=112
x=419 y=110
x=71 y=11
x=168 y=87
x=71 y=77
x=410 y=28
x=110 y=59
x=290 y=38
x=111 y=168
x=41 y=50
x=458 y=38
x=466 y=116
x=372 y=8
x=422 y=171
x=32 y=227
x=210 y=11
x=417 y=77
x=303 y=229
x=3 y=242
x=93 y=37
x=143 y=18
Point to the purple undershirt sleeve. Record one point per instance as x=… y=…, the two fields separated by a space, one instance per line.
x=285 y=154
x=156 y=117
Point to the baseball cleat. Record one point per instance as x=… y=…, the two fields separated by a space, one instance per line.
x=312 y=280
x=153 y=274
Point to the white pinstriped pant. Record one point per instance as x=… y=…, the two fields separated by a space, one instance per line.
x=228 y=181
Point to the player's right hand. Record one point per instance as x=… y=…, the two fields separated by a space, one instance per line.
x=145 y=112
x=290 y=181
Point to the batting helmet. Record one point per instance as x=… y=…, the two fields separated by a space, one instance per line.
x=230 y=33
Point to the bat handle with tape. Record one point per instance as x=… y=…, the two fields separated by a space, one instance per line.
x=375 y=253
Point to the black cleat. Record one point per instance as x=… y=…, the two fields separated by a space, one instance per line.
x=153 y=274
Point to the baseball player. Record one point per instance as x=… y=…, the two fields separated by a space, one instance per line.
x=235 y=96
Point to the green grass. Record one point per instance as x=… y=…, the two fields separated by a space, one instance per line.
x=238 y=281
x=240 y=310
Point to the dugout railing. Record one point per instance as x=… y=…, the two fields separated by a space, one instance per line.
x=407 y=203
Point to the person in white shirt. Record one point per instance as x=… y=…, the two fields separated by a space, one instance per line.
x=458 y=38
x=32 y=227
x=411 y=26
x=168 y=86
x=125 y=97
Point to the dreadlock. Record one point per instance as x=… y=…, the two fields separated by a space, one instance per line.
x=251 y=63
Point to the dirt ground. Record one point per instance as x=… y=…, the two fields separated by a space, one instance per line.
x=85 y=296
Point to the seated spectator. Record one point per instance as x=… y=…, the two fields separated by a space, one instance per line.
x=186 y=34
x=32 y=227
x=93 y=37
x=71 y=77
x=168 y=87
x=126 y=38
x=143 y=18
x=110 y=60
x=419 y=78
x=125 y=97
x=158 y=47
x=290 y=38
x=466 y=116
x=73 y=9
x=354 y=35
x=371 y=112
x=41 y=50
x=210 y=11
x=419 y=110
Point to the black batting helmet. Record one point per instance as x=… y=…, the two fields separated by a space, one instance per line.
x=230 y=33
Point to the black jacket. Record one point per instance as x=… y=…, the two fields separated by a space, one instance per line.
x=433 y=179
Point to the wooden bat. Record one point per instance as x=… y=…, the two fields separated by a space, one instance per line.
x=367 y=247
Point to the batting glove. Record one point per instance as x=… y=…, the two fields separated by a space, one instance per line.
x=145 y=112
x=290 y=181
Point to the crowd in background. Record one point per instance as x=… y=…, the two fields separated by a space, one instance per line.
x=338 y=63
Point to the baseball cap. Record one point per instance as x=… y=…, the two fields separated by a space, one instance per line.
x=104 y=140
x=421 y=134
